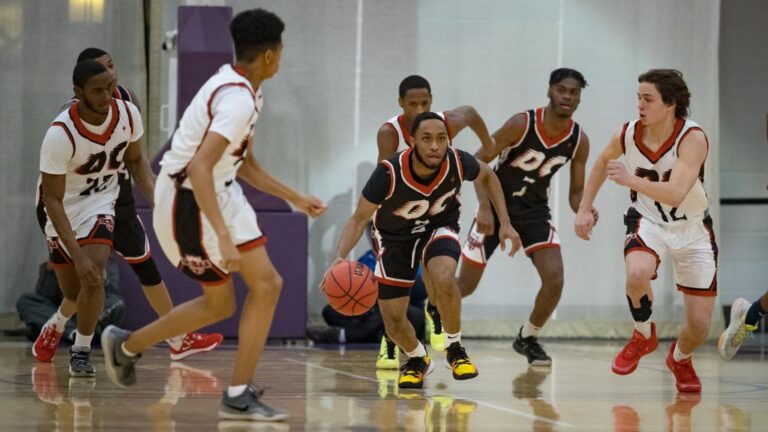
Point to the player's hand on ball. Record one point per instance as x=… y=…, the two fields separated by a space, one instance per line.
x=585 y=220
x=230 y=256
x=325 y=275
x=484 y=220
x=506 y=232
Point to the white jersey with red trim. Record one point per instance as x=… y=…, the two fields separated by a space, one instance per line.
x=403 y=134
x=657 y=166
x=90 y=157
x=227 y=105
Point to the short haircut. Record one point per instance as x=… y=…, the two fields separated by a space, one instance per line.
x=255 y=31
x=558 y=75
x=423 y=117
x=414 y=82
x=85 y=70
x=671 y=85
x=91 y=54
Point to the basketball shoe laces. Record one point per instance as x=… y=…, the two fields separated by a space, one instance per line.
x=457 y=355
x=684 y=370
x=190 y=340
x=49 y=337
x=413 y=367
x=632 y=349
x=80 y=358
x=535 y=347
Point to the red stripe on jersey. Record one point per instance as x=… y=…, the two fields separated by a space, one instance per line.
x=100 y=139
x=130 y=116
x=651 y=155
x=404 y=129
x=547 y=140
x=459 y=164
x=624 y=132
x=405 y=170
x=69 y=135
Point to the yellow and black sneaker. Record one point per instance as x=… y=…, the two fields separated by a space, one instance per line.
x=462 y=366
x=389 y=355
x=413 y=371
x=435 y=331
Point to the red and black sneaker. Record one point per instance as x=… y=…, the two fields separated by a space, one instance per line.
x=627 y=360
x=196 y=343
x=46 y=343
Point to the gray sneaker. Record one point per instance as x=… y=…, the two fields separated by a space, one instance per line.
x=80 y=362
x=248 y=406
x=120 y=367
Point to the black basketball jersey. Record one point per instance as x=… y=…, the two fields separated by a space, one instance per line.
x=410 y=208
x=525 y=168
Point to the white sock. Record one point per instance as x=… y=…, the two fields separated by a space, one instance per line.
x=451 y=338
x=644 y=328
x=234 y=391
x=529 y=330
x=126 y=352
x=82 y=340
x=419 y=351
x=176 y=341
x=58 y=321
x=678 y=355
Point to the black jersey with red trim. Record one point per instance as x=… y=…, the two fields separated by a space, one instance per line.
x=410 y=206
x=526 y=167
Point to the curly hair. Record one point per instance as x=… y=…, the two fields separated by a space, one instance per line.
x=255 y=31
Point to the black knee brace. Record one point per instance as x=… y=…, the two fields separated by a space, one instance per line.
x=147 y=272
x=643 y=313
x=389 y=292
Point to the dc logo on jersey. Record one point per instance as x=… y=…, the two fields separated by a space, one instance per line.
x=196 y=264
x=52 y=245
x=107 y=222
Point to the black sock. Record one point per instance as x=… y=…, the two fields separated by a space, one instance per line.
x=755 y=313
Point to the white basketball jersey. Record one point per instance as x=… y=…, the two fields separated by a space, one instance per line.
x=227 y=105
x=657 y=166
x=90 y=157
x=403 y=134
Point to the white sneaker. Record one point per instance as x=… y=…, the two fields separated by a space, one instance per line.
x=731 y=339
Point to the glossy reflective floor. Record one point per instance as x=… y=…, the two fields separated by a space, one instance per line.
x=332 y=389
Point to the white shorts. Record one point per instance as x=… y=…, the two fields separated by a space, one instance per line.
x=96 y=229
x=186 y=237
x=690 y=244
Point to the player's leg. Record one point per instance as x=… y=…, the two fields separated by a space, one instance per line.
x=432 y=313
x=475 y=254
x=44 y=348
x=698 y=316
x=393 y=304
x=440 y=256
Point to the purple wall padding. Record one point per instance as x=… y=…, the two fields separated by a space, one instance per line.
x=287 y=248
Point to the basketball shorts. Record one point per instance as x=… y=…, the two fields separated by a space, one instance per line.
x=97 y=229
x=690 y=244
x=130 y=240
x=397 y=262
x=535 y=234
x=186 y=236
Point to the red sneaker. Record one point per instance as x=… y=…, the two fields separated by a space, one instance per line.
x=45 y=346
x=627 y=360
x=196 y=343
x=197 y=381
x=685 y=375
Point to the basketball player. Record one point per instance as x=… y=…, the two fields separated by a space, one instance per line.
x=79 y=162
x=532 y=146
x=206 y=226
x=665 y=158
x=744 y=319
x=412 y=197
x=394 y=136
x=130 y=241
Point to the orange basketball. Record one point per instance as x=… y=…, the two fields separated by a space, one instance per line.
x=350 y=288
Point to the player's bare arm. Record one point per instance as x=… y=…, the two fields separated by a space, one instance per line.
x=467 y=116
x=578 y=172
x=692 y=153
x=138 y=166
x=489 y=183
x=352 y=232
x=53 y=191
x=585 y=218
x=252 y=172
x=386 y=141
x=200 y=173
x=508 y=134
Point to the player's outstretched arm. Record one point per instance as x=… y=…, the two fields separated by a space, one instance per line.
x=489 y=183
x=467 y=116
x=352 y=232
x=508 y=134
x=53 y=193
x=691 y=156
x=585 y=216
x=386 y=141
x=253 y=173
x=138 y=166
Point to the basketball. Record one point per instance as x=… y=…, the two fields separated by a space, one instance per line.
x=350 y=288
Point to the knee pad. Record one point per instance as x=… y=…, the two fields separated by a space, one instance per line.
x=643 y=313
x=147 y=272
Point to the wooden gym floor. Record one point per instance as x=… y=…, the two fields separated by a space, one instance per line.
x=338 y=389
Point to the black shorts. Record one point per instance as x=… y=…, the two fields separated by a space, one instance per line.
x=100 y=229
x=535 y=234
x=397 y=262
x=130 y=239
